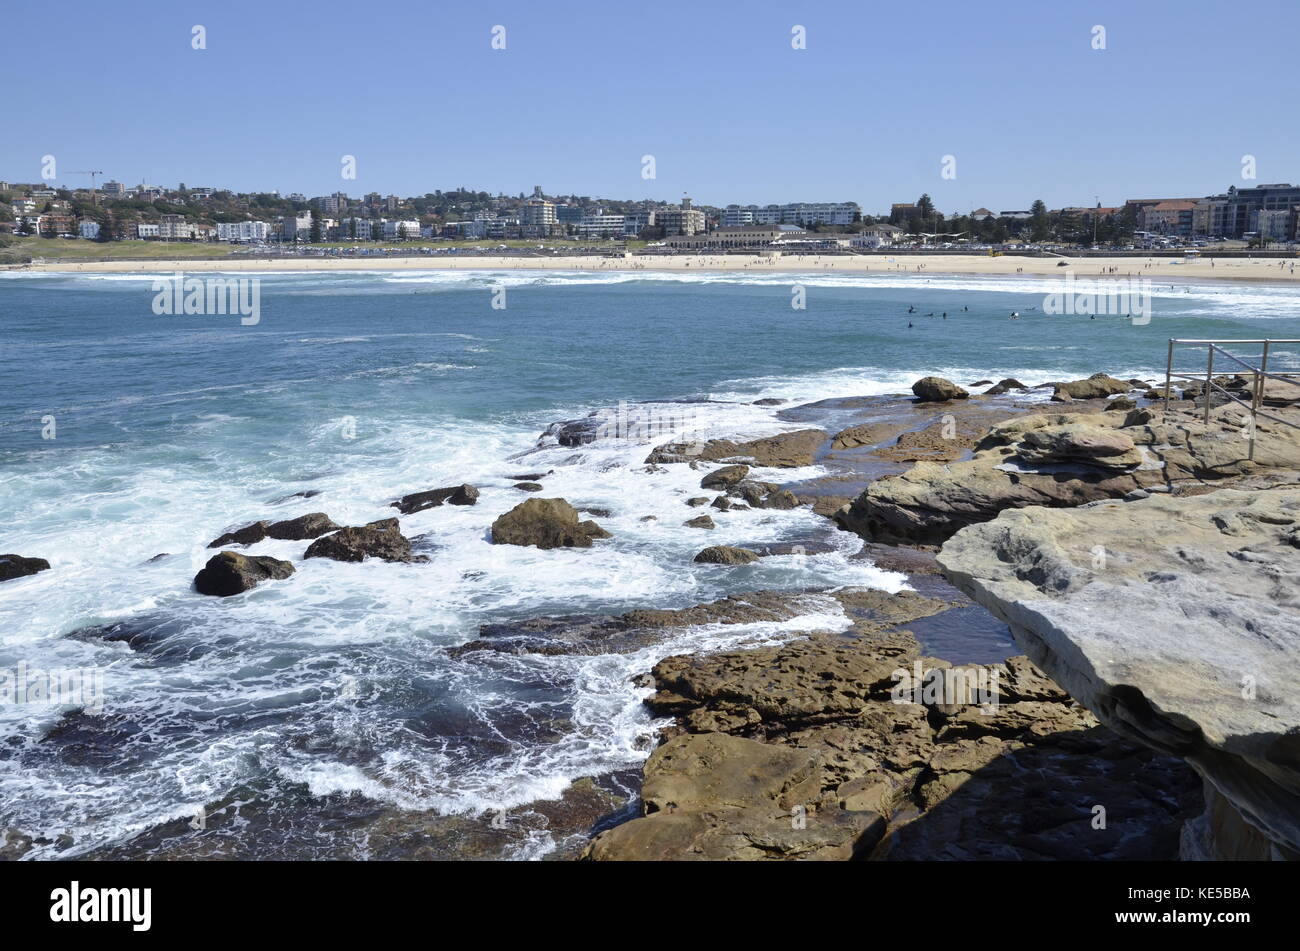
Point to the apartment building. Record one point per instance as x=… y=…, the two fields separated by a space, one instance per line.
x=638 y=221
x=1172 y=217
x=537 y=218
x=243 y=231
x=402 y=230
x=601 y=226
x=682 y=220
x=471 y=230
x=795 y=213
x=1235 y=213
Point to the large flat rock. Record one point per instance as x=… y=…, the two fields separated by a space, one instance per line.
x=1175 y=620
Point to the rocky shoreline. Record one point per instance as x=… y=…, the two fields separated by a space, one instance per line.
x=805 y=752
x=1043 y=508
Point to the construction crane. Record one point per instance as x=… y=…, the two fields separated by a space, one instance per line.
x=94 y=193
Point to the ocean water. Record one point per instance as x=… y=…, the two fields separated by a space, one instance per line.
x=362 y=386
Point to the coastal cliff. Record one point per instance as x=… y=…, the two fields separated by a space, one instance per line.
x=1176 y=622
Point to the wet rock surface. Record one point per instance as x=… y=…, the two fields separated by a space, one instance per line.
x=610 y=634
x=783 y=451
x=726 y=555
x=805 y=751
x=545 y=523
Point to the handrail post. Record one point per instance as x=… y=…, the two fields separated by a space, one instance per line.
x=1258 y=398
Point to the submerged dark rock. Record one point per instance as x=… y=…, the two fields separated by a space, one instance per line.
x=230 y=573
x=614 y=634
x=17 y=566
x=312 y=525
x=382 y=539
x=725 y=478
x=248 y=535
x=463 y=494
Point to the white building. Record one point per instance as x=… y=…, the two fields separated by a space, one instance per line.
x=875 y=236
x=537 y=218
x=146 y=230
x=601 y=226
x=89 y=229
x=734 y=216
x=796 y=213
x=478 y=228
x=242 y=231
x=360 y=228
x=402 y=230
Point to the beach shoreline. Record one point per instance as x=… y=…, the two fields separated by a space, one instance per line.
x=1225 y=270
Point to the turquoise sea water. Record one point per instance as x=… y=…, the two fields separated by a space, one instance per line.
x=366 y=385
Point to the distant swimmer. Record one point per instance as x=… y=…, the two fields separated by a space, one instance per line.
x=1015 y=315
x=911 y=310
x=909 y=324
x=964 y=307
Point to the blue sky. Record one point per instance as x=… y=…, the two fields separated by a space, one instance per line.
x=713 y=90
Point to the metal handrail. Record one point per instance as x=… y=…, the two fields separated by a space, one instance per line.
x=1259 y=374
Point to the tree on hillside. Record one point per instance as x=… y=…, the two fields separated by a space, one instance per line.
x=925 y=207
x=1038 y=222
x=107 y=227
x=315 y=234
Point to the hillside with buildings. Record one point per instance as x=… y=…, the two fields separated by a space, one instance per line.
x=1260 y=215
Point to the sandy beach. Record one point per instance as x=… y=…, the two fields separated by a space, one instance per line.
x=1273 y=270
